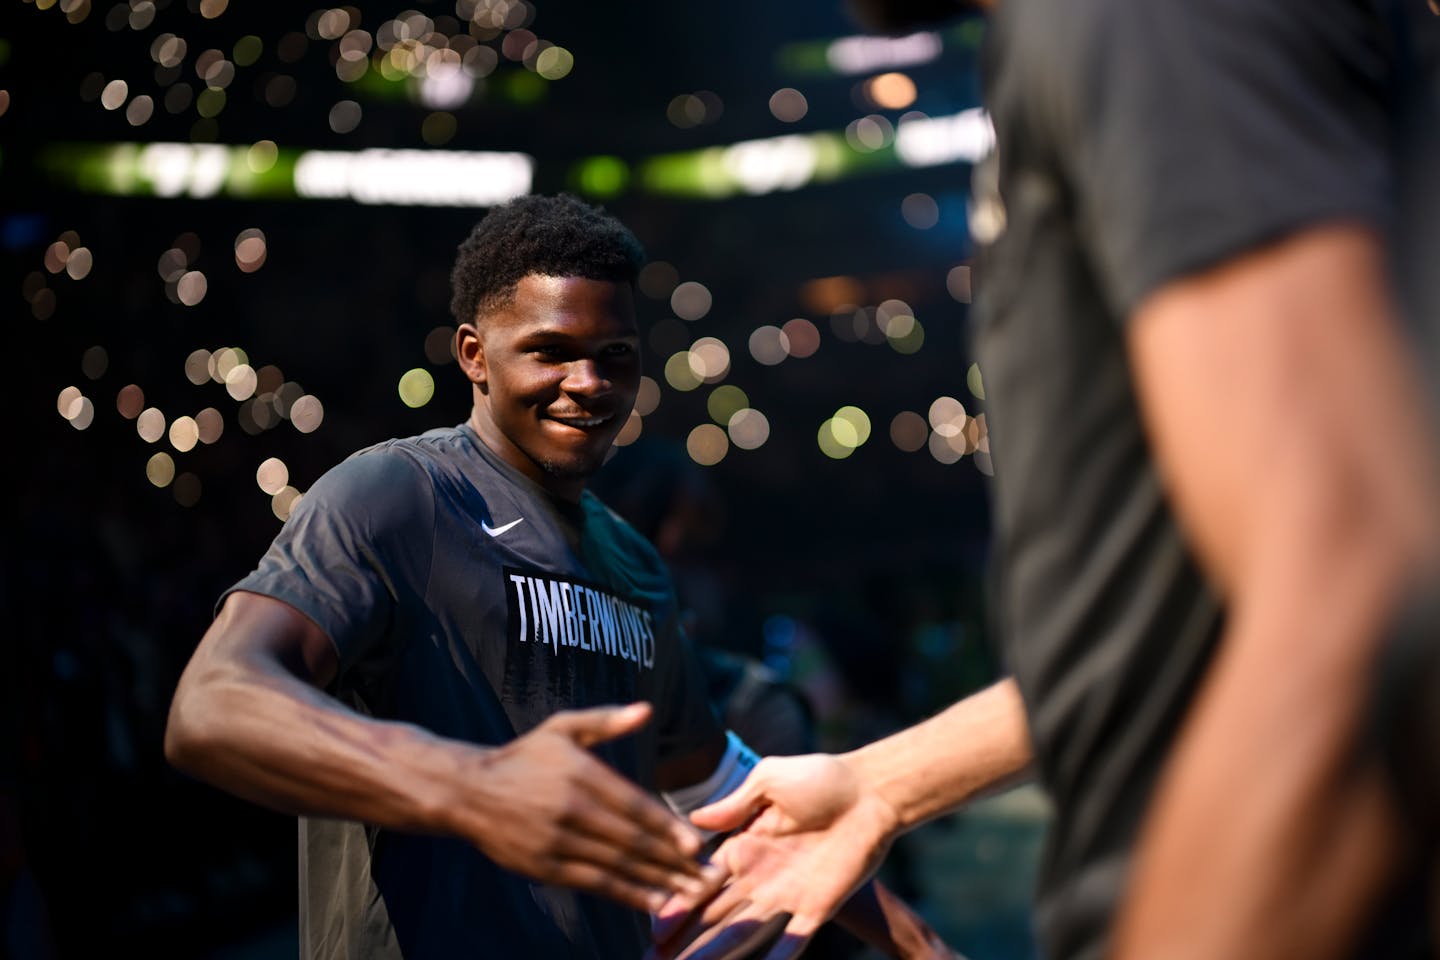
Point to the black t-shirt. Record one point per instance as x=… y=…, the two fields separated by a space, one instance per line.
x=461 y=597
x=1139 y=141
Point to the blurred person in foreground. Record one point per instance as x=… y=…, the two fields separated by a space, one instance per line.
x=421 y=664
x=1201 y=320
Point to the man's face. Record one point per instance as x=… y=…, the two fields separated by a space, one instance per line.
x=556 y=372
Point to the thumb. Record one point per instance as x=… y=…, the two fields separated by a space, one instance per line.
x=598 y=724
x=735 y=809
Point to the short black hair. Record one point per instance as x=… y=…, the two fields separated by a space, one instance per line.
x=558 y=236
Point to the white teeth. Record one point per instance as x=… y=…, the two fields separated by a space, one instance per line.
x=582 y=421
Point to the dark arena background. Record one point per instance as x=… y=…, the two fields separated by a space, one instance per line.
x=227 y=231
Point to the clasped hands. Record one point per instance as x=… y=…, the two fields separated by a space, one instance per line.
x=808 y=833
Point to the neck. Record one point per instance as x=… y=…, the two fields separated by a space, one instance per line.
x=563 y=487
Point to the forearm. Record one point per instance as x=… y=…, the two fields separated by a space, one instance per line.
x=1313 y=513
x=1273 y=832
x=262 y=733
x=979 y=744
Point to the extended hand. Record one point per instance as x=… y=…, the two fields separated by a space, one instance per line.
x=572 y=820
x=814 y=831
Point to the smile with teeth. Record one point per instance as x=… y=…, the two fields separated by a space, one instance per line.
x=583 y=423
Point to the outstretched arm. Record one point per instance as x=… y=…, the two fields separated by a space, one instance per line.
x=249 y=716
x=1310 y=496
x=819 y=825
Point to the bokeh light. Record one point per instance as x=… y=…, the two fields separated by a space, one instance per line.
x=647 y=398
x=129 y=401
x=554 y=63
x=114 y=94
x=858 y=422
x=307 y=414
x=788 y=105
x=749 y=428
x=160 y=469
x=150 y=425
x=345 y=116
x=247 y=50
x=272 y=475
x=957 y=282
x=680 y=373
x=629 y=433
x=68 y=403
x=943 y=450
x=197 y=366
x=724 y=402
x=837 y=441
x=707 y=444
x=191 y=287
x=209 y=425
x=909 y=431
x=690 y=301
x=241 y=381
x=803 y=337
x=947 y=416
x=769 y=345
x=975 y=382
x=890 y=91
x=920 y=211
x=286 y=396
x=224 y=360
x=79 y=263
x=417 y=386
x=250 y=249
x=869 y=134
x=140 y=110
x=184 y=434
x=283 y=503
x=709 y=359
x=440 y=345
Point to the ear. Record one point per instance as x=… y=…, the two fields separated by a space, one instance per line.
x=470 y=353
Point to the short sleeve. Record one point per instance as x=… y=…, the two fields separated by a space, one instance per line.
x=358 y=542
x=1192 y=132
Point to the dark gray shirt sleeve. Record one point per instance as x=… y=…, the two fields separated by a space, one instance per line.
x=357 y=543
x=1190 y=137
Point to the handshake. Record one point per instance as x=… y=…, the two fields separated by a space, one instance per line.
x=800 y=838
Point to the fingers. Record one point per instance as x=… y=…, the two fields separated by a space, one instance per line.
x=598 y=724
x=641 y=824
x=667 y=882
x=685 y=918
x=735 y=810
x=595 y=879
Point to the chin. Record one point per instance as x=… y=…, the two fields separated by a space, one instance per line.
x=574 y=466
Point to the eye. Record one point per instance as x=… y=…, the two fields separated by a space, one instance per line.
x=619 y=350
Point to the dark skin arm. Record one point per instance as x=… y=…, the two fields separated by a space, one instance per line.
x=250 y=716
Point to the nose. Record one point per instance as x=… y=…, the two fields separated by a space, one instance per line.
x=584 y=378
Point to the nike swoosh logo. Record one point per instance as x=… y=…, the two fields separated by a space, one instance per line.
x=496 y=531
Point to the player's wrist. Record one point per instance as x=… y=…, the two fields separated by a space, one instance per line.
x=876 y=795
x=459 y=800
